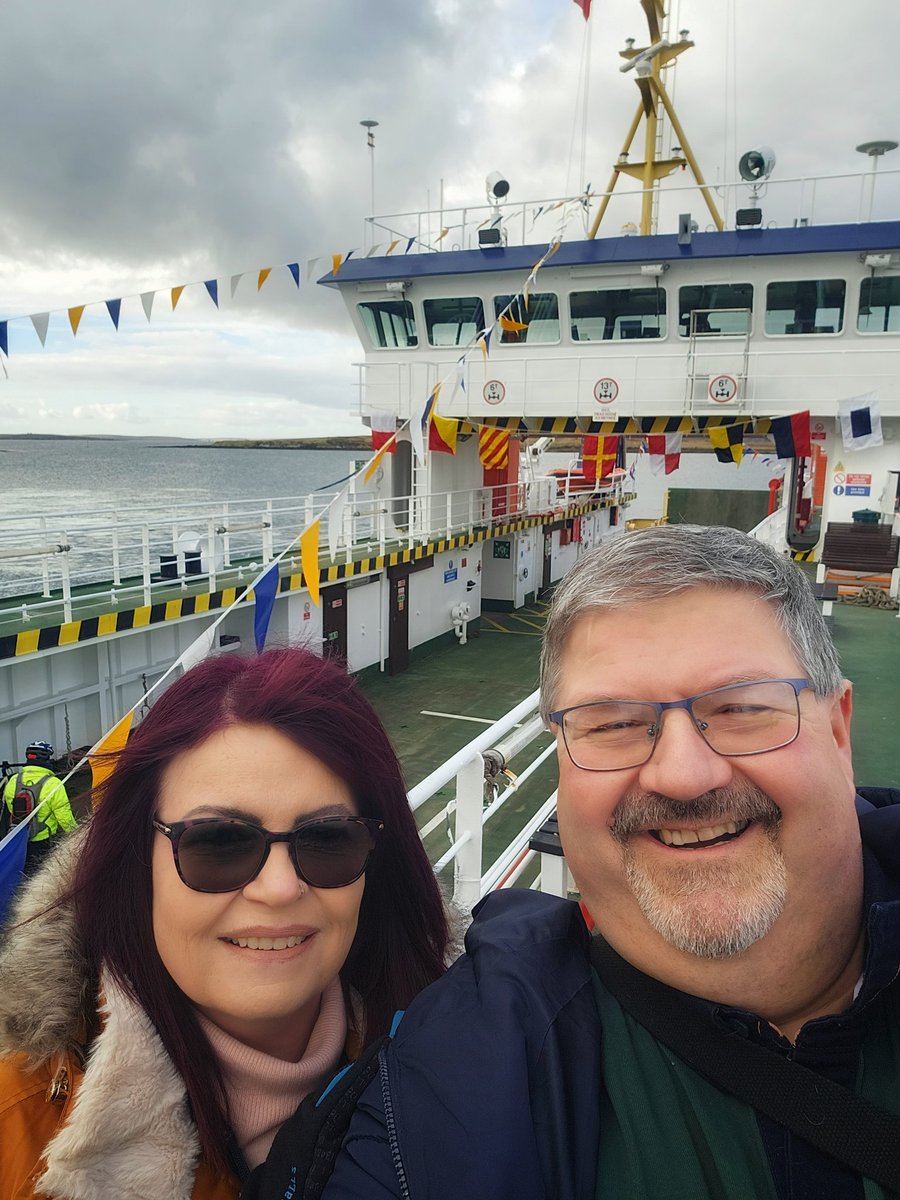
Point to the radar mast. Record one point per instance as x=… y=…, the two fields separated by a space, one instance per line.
x=647 y=62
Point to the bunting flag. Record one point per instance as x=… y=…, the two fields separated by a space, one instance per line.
x=114 y=307
x=429 y=406
x=147 y=303
x=727 y=441
x=12 y=863
x=384 y=426
x=585 y=6
x=262 y=277
x=199 y=649
x=115 y=740
x=294 y=269
x=791 y=436
x=665 y=452
x=508 y=325
x=409 y=245
x=75 y=315
x=459 y=383
x=387 y=448
x=442 y=433
x=336 y=260
x=4 y=338
x=336 y=520
x=392 y=247
x=235 y=280
x=212 y=286
x=860 y=419
x=309 y=559
x=599 y=456
x=264 y=592
x=41 y=323
x=485 y=342
x=493 y=447
x=311 y=265
x=176 y=295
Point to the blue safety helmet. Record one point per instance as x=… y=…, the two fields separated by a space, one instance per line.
x=39 y=751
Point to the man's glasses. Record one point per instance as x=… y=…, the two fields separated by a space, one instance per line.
x=224 y=854
x=741 y=719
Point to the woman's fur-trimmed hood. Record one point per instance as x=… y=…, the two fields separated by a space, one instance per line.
x=129 y=1135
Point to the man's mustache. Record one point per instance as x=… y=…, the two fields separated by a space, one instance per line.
x=649 y=810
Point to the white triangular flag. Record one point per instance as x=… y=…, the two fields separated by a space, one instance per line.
x=41 y=321
x=147 y=302
x=235 y=280
x=200 y=648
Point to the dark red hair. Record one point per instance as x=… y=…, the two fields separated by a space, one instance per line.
x=402 y=935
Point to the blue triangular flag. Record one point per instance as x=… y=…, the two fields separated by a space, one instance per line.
x=113 y=307
x=264 y=591
x=409 y=245
x=294 y=269
x=12 y=860
x=212 y=286
x=4 y=339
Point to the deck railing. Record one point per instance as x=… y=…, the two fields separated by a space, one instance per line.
x=483 y=782
x=134 y=556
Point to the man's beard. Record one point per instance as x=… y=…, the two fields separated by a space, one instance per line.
x=712 y=909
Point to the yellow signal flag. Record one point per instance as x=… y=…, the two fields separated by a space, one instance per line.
x=336 y=260
x=508 y=325
x=392 y=247
x=309 y=559
x=388 y=447
x=176 y=295
x=106 y=750
x=75 y=315
x=263 y=276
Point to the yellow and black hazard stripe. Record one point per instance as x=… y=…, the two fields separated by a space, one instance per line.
x=657 y=425
x=19 y=645
x=804 y=555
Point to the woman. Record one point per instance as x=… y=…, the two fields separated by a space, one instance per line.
x=248 y=907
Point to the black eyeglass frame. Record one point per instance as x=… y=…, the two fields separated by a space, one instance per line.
x=661 y=706
x=175 y=830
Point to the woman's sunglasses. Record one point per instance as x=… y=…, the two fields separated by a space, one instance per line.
x=224 y=854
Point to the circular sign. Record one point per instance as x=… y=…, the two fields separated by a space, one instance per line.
x=605 y=391
x=494 y=391
x=840 y=477
x=722 y=388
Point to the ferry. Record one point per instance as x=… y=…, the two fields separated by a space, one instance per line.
x=486 y=333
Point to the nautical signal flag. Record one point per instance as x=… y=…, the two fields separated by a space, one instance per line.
x=585 y=6
x=665 y=452
x=493 y=448
x=860 y=419
x=727 y=441
x=791 y=436
x=442 y=434
x=384 y=426
x=264 y=592
x=599 y=456
x=12 y=862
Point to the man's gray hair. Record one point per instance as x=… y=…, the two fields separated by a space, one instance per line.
x=650 y=564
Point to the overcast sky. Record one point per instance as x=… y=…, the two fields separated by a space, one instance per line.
x=146 y=146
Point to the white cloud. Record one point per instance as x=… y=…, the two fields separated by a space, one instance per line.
x=159 y=145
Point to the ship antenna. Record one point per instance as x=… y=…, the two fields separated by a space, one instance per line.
x=647 y=62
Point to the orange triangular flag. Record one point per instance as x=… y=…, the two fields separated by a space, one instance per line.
x=309 y=560
x=510 y=326
x=336 y=260
x=393 y=246
x=263 y=276
x=109 y=745
x=388 y=448
x=176 y=295
x=75 y=317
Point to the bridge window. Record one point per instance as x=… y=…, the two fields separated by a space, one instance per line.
x=540 y=318
x=618 y=315
x=805 y=306
x=879 y=305
x=391 y=324
x=718 y=309
x=454 y=321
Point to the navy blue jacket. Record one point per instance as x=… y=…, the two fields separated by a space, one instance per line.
x=491 y=1087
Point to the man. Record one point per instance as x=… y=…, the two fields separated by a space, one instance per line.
x=708 y=813
x=33 y=785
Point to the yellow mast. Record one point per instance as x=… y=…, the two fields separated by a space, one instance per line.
x=647 y=63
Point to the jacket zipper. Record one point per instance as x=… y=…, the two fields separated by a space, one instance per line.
x=391 y=1126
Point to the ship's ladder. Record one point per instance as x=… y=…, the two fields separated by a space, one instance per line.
x=703 y=367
